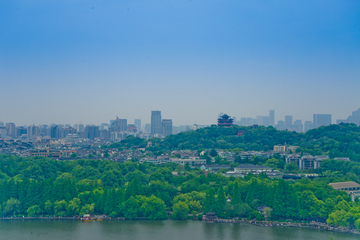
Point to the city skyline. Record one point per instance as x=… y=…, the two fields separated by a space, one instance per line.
x=212 y=121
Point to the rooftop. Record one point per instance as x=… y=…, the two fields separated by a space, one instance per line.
x=252 y=166
x=340 y=185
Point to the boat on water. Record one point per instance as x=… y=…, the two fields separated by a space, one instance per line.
x=99 y=219
x=88 y=220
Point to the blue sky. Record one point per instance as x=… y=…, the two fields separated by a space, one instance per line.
x=88 y=61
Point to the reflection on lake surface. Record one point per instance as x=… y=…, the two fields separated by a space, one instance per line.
x=155 y=230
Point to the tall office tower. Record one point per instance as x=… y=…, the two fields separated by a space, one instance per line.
x=308 y=125
x=166 y=127
x=260 y=120
x=2 y=124
x=148 y=128
x=288 y=122
x=92 y=132
x=272 y=117
x=298 y=126
x=137 y=123
x=11 y=130
x=156 y=127
x=321 y=120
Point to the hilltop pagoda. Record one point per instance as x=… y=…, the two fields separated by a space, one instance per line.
x=225 y=121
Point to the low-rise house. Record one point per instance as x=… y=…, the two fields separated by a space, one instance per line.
x=352 y=188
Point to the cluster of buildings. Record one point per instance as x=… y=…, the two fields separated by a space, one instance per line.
x=115 y=130
x=288 y=123
x=295 y=125
x=307 y=161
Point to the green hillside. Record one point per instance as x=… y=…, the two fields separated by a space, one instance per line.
x=335 y=140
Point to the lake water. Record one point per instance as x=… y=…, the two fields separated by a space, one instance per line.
x=155 y=230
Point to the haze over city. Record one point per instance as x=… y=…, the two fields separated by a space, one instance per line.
x=90 y=61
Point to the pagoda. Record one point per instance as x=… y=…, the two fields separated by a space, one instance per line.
x=225 y=121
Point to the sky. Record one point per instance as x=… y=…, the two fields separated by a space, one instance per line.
x=86 y=61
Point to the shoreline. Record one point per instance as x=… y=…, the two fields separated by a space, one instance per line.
x=313 y=225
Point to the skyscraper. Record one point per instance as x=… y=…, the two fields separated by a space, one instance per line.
x=166 y=127
x=272 y=117
x=288 y=122
x=137 y=123
x=156 y=127
x=321 y=120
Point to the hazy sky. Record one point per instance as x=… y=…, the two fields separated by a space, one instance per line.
x=75 y=61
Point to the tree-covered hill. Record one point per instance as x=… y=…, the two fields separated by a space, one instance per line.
x=335 y=140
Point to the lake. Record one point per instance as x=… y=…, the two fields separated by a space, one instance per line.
x=155 y=230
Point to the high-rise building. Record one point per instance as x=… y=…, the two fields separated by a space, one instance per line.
x=81 y=127
x=20 y=131
x=33 y=131
x=266 y=121
x=55 y=131
x=92 y=132
x=321 y=120
x=272 y=117
x=288 y=122
x=298 y=126
x=11 y=130
x=156 y=127
x=119 y=125
x=137 y=123
x=166 y=127
x=2 y=124
x=308 y=125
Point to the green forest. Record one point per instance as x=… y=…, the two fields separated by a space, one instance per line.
x=39 y=186
x=334 y=140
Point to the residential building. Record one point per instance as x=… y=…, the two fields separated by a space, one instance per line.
x=33 y=131
x=11 y=130
x=293 y=158
x=92 y=132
